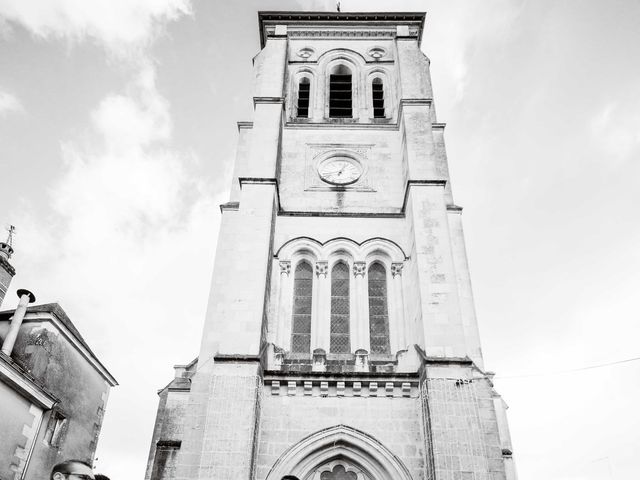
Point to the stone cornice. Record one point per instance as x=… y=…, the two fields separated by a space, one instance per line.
x=268 y=100
x=245 y=124
x=294 y=213
x=257 y=180
x=236 y=358
x=229 y=206
x=347 y=126
x=333 y=23
x=350 y=386
x=12 y=375
x=423 y=183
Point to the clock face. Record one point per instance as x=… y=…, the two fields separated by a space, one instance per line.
x=340 y=171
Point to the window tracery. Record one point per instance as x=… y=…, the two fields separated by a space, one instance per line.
x=302 y=300
x=340 y=309
x=338 y=473
x=378 y=310
x=344 y=297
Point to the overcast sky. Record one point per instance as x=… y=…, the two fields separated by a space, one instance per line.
x=117 y=133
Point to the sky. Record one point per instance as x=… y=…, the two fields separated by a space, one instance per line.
x=117 y=137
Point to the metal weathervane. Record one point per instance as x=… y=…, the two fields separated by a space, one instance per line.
x=12 y=231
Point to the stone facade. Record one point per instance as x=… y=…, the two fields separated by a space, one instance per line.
x=340 y=340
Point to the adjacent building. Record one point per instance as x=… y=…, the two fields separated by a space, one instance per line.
x=340 y=341
x=53 y=388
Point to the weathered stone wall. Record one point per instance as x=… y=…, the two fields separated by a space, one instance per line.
x=286 y=420
x=463 y=430
x=221 y=418
x=379 y=190
x=16 y=421
x=43 y=350
x=167 y=435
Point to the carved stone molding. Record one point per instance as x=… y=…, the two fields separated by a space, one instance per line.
x=335 y=33
x=342 y=388
x=322 y=268
x=285 y=267
x=396 y=268
x=359 y=269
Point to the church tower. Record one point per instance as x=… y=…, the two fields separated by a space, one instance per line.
x=340 y=341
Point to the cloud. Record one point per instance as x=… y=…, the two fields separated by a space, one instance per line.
x=458 y=28
x=616 y=130
x=127 y=245
x=119 y=25
x=9 y=104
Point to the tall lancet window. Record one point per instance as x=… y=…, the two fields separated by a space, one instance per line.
x=340 y=309
x=378 y=98
x=304 y=89
x=378 y=312
x=340 y=93
x=301 y=321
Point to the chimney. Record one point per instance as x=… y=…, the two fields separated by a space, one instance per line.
x=6 y=269
x=26 y=297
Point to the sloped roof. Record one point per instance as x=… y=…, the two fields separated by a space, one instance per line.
x=56 y=310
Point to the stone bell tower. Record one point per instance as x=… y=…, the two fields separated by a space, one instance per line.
x=340 y=341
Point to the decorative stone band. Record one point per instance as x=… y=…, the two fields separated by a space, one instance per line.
x=338 y=388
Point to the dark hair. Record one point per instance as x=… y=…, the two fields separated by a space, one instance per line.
x=62 y=466
x=100 y=476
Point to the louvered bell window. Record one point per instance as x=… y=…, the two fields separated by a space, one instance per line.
x=301 y=321
x=339 y=342
x=340 y=96
x=378 y=98
x=304 y=89
x=378 y=312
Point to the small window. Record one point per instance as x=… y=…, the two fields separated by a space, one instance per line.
x=304 y=88
x=340 y=93
x=301 y=321
x=55 y=429
x=378 y=313
x=378 y=98
x=339 y=342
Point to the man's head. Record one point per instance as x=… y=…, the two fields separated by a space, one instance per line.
x=72 y=470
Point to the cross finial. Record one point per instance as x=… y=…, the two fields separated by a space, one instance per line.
x=12 y=231
x=338 y=6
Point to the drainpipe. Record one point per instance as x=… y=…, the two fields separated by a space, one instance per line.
x=26 y=297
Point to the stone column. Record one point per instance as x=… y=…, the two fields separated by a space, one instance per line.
x=395 y=292
x=320 y=322
x=360 y=337
x=284 y=299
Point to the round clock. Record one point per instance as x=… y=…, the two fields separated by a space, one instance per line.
x=340 y=171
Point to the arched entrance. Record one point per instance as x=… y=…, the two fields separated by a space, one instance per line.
x=339 y=453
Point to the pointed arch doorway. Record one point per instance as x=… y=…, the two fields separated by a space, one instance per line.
x=338 y=453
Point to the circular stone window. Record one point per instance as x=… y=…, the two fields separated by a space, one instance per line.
x=377 y=52
x=305 y=52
